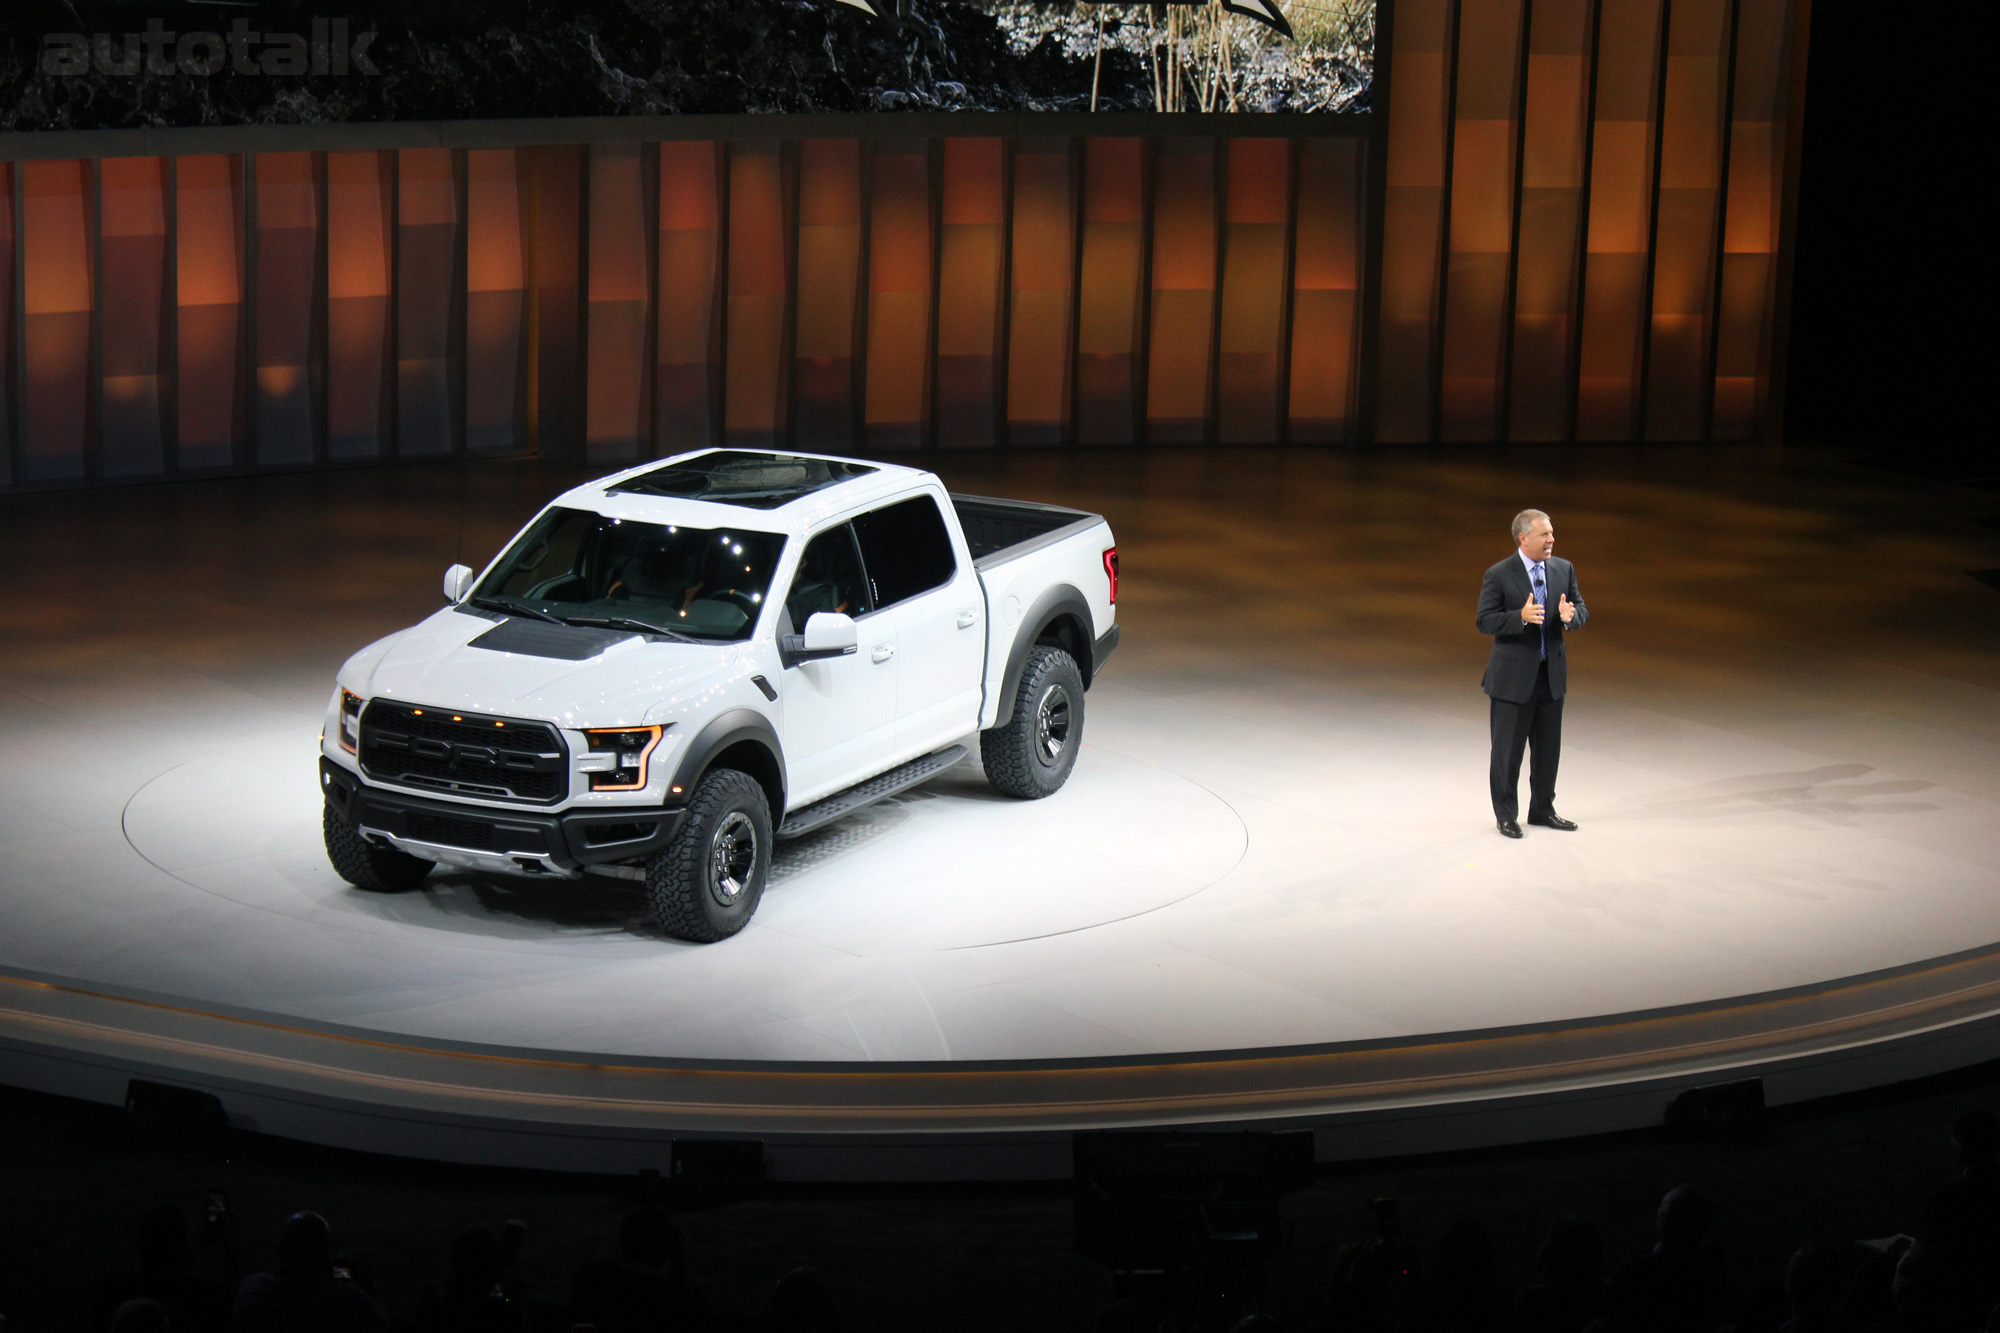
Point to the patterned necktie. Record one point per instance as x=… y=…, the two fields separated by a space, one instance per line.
x=1542 y=600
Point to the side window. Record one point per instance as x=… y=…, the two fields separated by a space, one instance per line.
x=829 y=579
x=907 y=549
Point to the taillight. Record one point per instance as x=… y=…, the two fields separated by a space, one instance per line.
x=1111 y=571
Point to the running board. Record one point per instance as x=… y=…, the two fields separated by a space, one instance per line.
x=878 y=788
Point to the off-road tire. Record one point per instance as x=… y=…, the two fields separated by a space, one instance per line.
x=363 y=864
x=725 y=840
x=1031 y=757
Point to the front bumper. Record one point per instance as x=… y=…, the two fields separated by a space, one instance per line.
x=480 y=838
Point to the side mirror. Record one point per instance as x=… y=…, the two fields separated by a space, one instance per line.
x=828 y=634
x=457 y=583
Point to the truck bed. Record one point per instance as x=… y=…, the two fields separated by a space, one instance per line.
x=999 y=530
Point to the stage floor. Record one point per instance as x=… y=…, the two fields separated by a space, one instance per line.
x=1782 y=745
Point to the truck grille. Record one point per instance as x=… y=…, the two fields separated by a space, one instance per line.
x=473 y=755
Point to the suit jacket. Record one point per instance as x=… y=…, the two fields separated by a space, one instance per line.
x=1517 y=647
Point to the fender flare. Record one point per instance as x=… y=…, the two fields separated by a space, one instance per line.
x=735 y=727
x=1057 y=604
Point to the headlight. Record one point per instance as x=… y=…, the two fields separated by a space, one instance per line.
x=350 y=721
x=630 y=747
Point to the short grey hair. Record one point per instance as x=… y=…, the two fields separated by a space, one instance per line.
x=1526 y=519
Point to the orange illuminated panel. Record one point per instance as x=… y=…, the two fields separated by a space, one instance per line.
x=1107 y=319
x=687 y=390
x=357 y=303
x=1181 y=340
x=1545 y=285
x=1326 y=273
x=288 y=287
x=1252 y=329
x=1690 y=195
x=971 y=266
x=208 y=264
x=132 y=257
x=427 y=268
x=758 y=283
x=1041 y=278
x=7 y=242
x=1482 y=219
x=1621 y=192
x=57 y=300
x=1412 y=219
x=829 y=279
x=899 y=296
x=495 y=301
x=1743 y=319
x=619 y=285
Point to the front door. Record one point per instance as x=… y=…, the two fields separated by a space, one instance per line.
x=840 y=714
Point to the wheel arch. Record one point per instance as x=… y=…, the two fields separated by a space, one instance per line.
x=742 y=739
x=1059 y=618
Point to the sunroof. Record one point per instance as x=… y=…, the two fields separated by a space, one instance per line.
x=739 y=477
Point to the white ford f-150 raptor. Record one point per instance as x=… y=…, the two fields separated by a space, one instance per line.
x=672 y=667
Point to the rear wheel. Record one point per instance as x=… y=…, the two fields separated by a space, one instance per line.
x=365 y=865
x=1031 y=757
x=705 y=884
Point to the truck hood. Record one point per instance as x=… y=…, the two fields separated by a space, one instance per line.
x=435 y=663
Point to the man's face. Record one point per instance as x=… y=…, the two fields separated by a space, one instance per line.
x=1539 y=541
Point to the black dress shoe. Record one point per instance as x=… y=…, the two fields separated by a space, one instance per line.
x=1513 y=830
x=1555 y=821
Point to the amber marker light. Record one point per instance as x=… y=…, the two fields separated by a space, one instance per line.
x=632 y=746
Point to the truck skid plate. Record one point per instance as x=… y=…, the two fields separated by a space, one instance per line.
x=878 y=788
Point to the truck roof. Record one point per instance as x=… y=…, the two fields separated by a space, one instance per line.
x=770 y=489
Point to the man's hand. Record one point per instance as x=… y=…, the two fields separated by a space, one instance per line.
x=1532 y=614
x=1567 y=611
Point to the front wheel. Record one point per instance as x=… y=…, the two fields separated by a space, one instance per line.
x=1031 y=757
x=704 y=885
x=363 y=864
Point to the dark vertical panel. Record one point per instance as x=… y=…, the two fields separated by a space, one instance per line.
x=557 y=340
x=10 y=291
x=1041 y=293
x=900 y=272
x=208 y=261
x=620 y=287
x=59 y=299
x=1621 y=217
x=1554 y=123
x=689 y=338
x=1690 y=193
x=495 y=301
x=1249 y=403
x=1482 y=218
x=288 y=285
x=829 y=301
x=759 y=284
x=428 y=265
x=132 y=264
x=358 y=222
x=1747 y=297
x=1108 y=292
x=1413 y=219
x=971 y=264
x=1180 y=394
x=1326 y=276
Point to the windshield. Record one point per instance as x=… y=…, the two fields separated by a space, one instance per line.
x=588 y=568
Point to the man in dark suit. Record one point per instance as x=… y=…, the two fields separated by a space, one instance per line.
x=1529 y=603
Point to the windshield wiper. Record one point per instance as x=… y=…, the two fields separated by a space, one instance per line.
x=631 y=622
x=513 y=607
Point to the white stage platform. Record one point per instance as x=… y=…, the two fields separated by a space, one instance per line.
x=1272 y=893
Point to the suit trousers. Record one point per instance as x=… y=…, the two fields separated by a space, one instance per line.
x=1536 y=724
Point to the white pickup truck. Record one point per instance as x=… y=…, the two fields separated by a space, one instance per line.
x=672 y=667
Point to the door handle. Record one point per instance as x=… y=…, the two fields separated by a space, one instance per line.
x=965 y=619
x=883 y=652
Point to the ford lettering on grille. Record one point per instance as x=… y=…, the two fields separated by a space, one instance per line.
x=420 y=746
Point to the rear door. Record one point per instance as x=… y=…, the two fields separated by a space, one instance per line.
x=840 y=713
x=919 y=571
